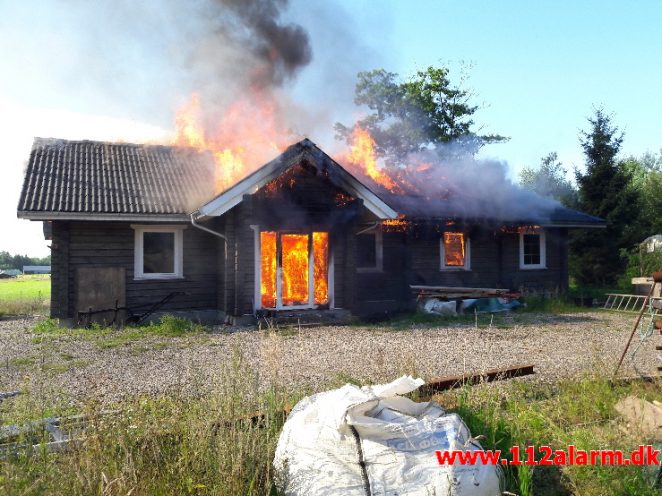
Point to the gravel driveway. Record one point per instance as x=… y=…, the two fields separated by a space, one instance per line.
x=76 y=369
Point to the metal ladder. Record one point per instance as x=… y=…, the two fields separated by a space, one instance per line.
x=626 y=302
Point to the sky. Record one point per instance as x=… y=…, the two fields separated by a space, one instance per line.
x=116 y=70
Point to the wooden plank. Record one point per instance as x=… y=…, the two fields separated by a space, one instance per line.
x=451 y=382
x=458 y=289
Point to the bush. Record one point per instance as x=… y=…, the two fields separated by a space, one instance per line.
x=639 y=264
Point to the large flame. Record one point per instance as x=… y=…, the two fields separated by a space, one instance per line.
x=247 y=134
x=294 y=268
x=268 y=269
x=362 y=154
x=321 y=267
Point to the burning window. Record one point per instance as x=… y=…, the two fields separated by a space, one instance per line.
x=532 y=249
x=158 y=252
x=294 y=269
x=454 y=251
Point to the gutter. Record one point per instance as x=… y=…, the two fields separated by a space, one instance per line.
x=210 y=231
x=225 y=259
x=87 y=216
x=369 y=228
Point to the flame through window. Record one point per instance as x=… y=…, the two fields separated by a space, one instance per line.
x=454 y=249
x=285 y=265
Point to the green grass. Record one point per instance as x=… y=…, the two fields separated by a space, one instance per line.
x=553 y=306
x=159 y=446
x=25 y=287
x=25 y=295
x=173 y=445
x=579 y=412
x=169 y=326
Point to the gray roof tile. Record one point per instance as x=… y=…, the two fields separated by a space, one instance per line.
x=115 y=178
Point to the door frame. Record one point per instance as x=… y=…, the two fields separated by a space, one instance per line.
x=257 y=297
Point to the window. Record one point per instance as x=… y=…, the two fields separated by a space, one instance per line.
x=158 y=252
x=369 y=251
x=455 y=251
x=532 y=250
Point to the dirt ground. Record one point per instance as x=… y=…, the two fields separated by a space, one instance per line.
x=76 y=367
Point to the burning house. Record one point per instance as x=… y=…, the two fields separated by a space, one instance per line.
x=143 y=227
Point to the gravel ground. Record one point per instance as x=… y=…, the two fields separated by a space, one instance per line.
x=77 y=369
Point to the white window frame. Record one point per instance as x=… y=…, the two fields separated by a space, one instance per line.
x=379 y=252
x=138 y=260
x=467 y=256
x=543 y=250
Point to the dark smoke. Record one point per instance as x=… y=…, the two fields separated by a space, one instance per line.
x=283 y=48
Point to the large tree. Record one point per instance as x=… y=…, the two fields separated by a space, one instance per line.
x=605 y=190
x=550 y=180
x=420 y=113
x=646 y=173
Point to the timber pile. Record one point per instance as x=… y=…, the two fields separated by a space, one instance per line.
x=451 y=293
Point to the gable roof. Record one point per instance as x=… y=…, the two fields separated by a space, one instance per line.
x=123 y=181
x=303 y=150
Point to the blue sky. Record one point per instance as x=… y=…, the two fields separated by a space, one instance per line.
x=77 y=69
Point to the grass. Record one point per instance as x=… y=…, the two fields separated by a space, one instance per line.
x=164 y=445
x=25 y=295
x=579 y=412
x=175 y=445
x=168 y=326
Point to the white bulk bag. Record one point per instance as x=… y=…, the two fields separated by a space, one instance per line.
x=371 y=441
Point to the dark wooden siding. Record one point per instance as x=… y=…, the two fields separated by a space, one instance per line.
x=494 y=263
x=60 y=270
x=111 y=244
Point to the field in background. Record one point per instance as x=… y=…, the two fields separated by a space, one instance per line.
x=25 y=295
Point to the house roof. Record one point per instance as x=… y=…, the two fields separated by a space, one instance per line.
x=82 y=179
x=124 y=181
x=303 y=150
x=525 y=208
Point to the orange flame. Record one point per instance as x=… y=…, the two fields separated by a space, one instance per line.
x=268 y=269
x=247 y=135
x=294 y=261
x=321 y=267
x=294 y=268
x=363 y=155
x=454 y=249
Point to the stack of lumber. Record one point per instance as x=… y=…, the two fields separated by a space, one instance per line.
x=452 y=293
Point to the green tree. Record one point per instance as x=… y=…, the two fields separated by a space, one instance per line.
x=646 y=173
x=421 y=113
x=549 y=179
x=605 y=190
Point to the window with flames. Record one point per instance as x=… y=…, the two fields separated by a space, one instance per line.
x=454 y=251
x=288 y=260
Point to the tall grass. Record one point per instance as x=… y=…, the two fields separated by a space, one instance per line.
x=165 y=445
x=579 y=412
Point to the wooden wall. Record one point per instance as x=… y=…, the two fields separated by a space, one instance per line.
x=111 y=244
